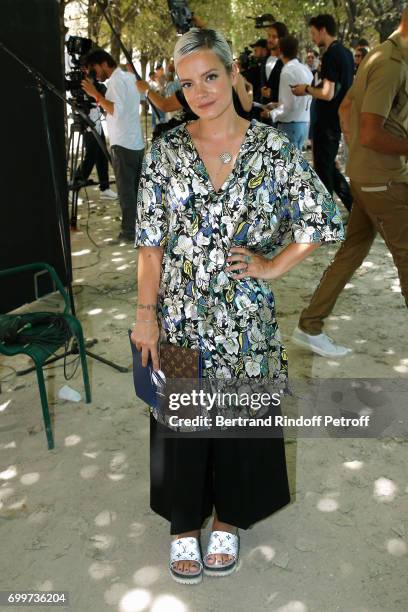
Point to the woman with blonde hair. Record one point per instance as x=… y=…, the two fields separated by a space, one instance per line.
x=216 y=196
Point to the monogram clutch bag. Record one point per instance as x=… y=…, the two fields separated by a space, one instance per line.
x=180 y=362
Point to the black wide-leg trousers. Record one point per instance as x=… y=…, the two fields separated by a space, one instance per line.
x=244 y=479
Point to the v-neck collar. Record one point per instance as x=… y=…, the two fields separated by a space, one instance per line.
x=205 y=172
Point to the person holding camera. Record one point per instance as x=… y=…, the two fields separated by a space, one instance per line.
x=121 y=104
x=94 y=155
x=253 y=73
x=218 y=194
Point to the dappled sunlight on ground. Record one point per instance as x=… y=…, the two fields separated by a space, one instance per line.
x=30 y=479
x=293 y=606
x=101 y=570
x=95 y=311
x=395 y=547
x=168 y=603
x=135 y=601
x=327 y=504
x=72 y=440
x=9 y=473
x=266 y=552
x=353 y=465
x=145 y=576
x=385 y=490
x=89 y=471
x=5 y=405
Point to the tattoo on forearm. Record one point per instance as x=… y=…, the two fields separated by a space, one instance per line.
x=147 y=306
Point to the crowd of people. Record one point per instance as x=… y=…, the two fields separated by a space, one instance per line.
x=276 y=88
x=299 y=98
x=217 y=194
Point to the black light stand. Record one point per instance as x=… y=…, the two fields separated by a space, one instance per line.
x=41 y=84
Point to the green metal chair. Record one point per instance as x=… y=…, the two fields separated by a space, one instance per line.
x=40 y=353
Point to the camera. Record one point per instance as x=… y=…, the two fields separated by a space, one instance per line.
x=77 y=48
x=263 y=21
x=180 y=15
x=246 y=59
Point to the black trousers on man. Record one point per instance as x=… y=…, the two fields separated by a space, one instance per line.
x=94 y=156
x=325 y=148
x=127 y=165
x=244 y=479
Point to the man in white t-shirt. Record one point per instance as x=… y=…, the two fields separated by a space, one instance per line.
x=121 y=103
x=291 y=113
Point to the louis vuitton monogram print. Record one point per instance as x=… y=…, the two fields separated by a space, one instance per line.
x=224 y=543
x=185 y=549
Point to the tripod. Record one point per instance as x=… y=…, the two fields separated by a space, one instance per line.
x=75 y=158
x=42 y=84
x=79 y=129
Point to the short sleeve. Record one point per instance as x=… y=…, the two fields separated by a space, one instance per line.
x=329 y=68
x=117 y=95
x=151 y=213
x=383 y=81
x=308 y=211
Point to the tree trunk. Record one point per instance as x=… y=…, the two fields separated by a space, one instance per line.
x=117 y=24
x=94 y=20
x=353 y=11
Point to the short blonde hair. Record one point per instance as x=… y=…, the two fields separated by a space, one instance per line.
x=197 y=39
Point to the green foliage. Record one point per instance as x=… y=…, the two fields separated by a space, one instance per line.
x=146 y=27
x=373 y=19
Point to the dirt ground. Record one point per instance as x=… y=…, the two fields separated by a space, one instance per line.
x=77 y=518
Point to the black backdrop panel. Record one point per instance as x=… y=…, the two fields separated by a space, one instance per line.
x=28 y=214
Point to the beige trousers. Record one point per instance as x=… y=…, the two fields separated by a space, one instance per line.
x=376 y=208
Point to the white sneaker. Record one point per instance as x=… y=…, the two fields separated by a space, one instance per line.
x=320 y=344
x=108 y=194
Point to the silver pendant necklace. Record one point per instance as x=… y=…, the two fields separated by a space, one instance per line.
x=225 y=157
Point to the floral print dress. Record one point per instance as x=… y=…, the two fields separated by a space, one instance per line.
x=271 y=196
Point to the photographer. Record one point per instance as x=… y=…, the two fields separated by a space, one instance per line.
x=121 y=104
x=94 y=155
x=253 y=73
